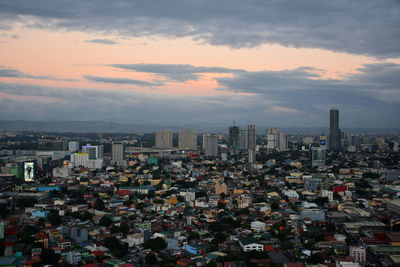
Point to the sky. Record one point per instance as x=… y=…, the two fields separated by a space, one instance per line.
x=175 y=62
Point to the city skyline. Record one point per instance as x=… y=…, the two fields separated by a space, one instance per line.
x=255 y=63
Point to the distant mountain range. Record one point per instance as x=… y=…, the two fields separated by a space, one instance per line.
x=104 y=127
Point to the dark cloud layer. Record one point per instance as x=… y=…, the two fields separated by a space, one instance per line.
x=367 y=27
x=119 y=80
x=299 y=97
x=103 y=41
x=13 y=73
x=175 y=72
x=48 y=103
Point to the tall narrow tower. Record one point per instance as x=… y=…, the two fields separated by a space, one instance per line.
x=251 y=136
x=334 y=133
x=234 y=137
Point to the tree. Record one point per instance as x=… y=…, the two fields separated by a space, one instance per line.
x=124 y=228
x=181 y=198
x=194 y=235
x=286 y=245
x=220 y=237
x=83 y=216
x=26 y=202
x=151 y=194
x=112 y=243
x=99 y=204
x=315 y=258
x=116 y=247
x=27 y=234
x=275 y=206
x=106 y=221
x=155 y=244
x=201 y=194
x=151 y=259
x=140 y=206
x=54 y=218
x=320 y=201
x=49 y=257
x=2 y=248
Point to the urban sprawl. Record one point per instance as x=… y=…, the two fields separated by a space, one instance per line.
x=239 y=198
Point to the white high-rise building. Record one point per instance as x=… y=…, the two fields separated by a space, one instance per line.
x=187 y=139
x=210 y=145
x=79 y=159
x=73 y=146
x=118 y=153
x=282 y=141
x=163 y=140
x=271 y=141
x=276 y=140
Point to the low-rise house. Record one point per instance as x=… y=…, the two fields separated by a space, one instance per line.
x=73 y=257
x=258 y=226
x=249 y=244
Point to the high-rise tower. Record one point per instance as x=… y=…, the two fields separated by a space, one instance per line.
x=163 y=140
x=334 y=133
x=234 y=137
x=210 y=145
x=187 y=139
x=251 y=136
x=118 y=153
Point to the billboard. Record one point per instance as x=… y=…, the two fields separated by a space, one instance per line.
x=28 y=171
x=322 y=140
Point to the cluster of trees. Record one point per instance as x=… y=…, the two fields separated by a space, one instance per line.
x=226 y=223
x=117 y=248
x=123 y=228
x=155 y=244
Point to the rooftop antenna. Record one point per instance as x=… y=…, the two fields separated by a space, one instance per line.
x=233 y=123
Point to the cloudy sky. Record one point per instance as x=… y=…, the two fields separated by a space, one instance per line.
x=174 y=62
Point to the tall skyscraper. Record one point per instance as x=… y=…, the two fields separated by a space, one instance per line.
x=118 y=153
x=272 y=141
x=276 y=140
x=243 y=140
x=234 y=137
x=210 y=145
x=251 y=135
x=187 y=139
x=334 y=132
x=163 y=139
x=282 y=141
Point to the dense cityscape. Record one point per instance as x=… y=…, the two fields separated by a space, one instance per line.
x=211 y=133
x=236 y=198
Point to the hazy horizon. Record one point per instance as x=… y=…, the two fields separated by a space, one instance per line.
x=103 y=127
